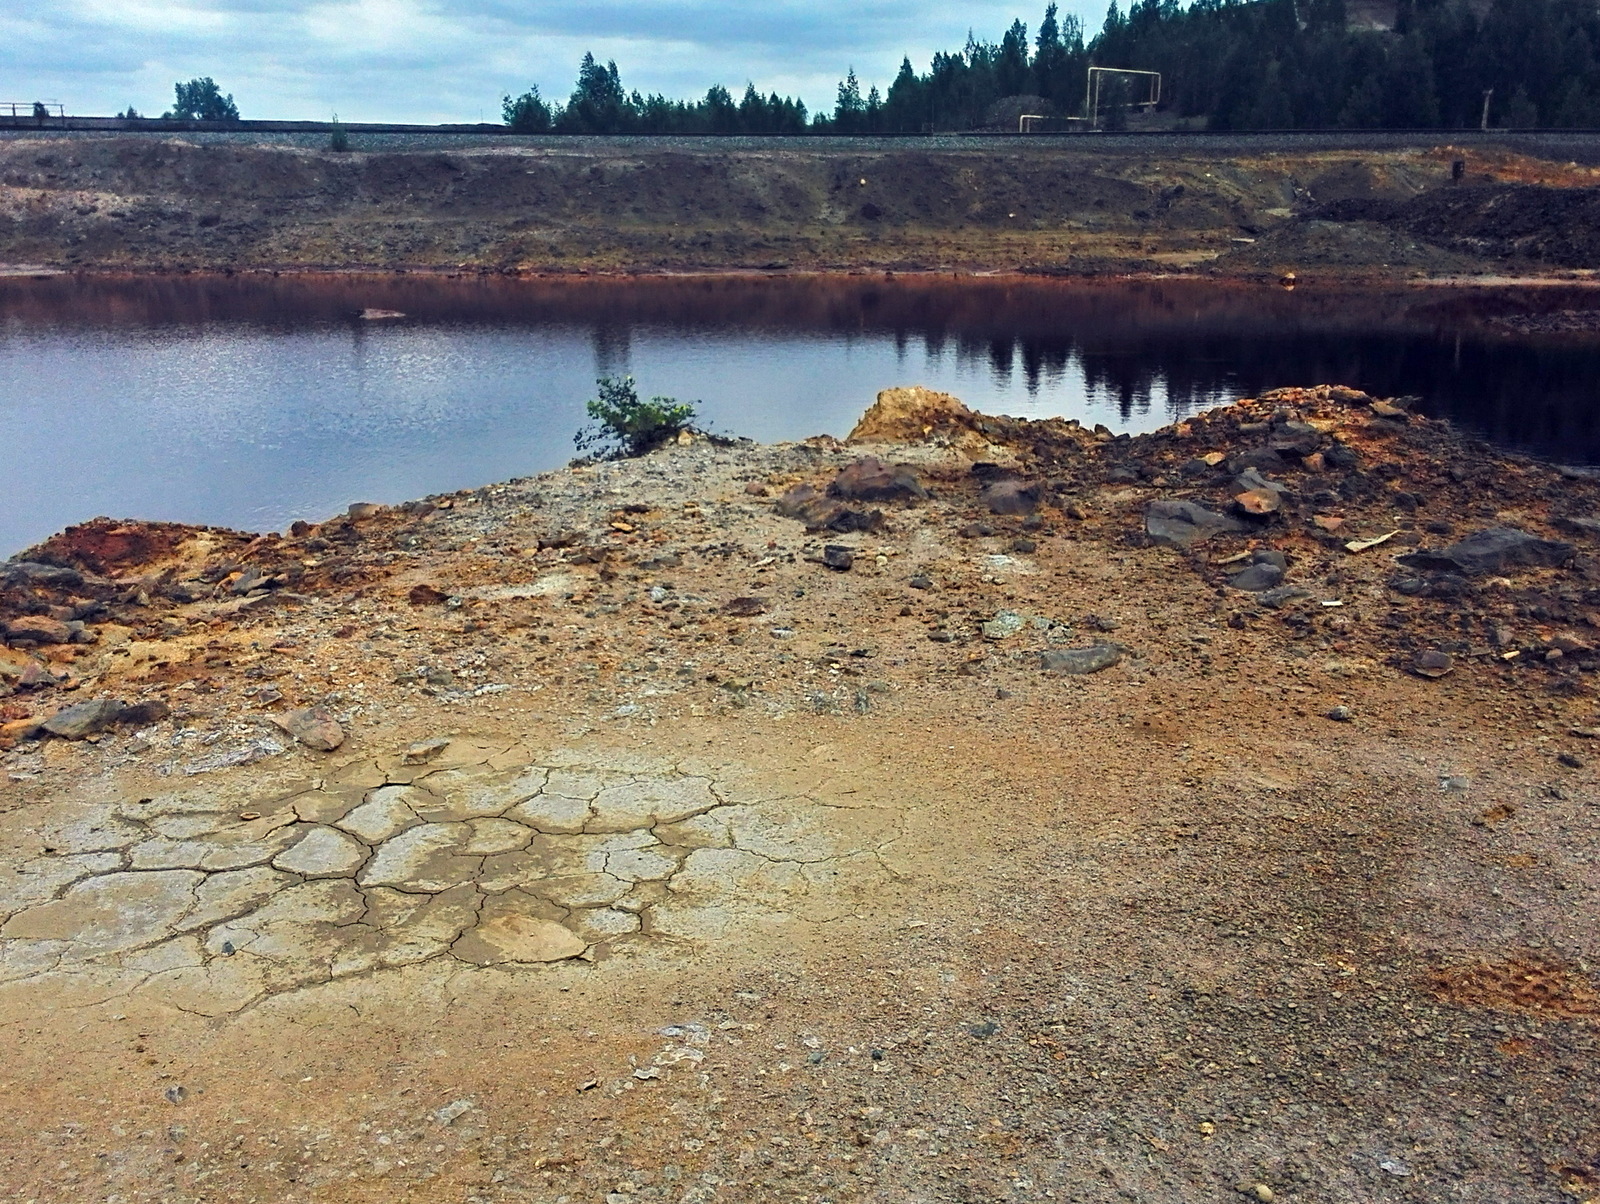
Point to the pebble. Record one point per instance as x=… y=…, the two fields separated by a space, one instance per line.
x=1432 y=664
x=838 y=557
x=1342 y=714
x=424 y=751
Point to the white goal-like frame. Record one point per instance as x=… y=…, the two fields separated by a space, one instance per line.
x=1091 y=94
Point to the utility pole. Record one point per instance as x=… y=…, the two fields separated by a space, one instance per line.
x=1487 y=97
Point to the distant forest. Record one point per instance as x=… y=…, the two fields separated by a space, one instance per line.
x=1227 y=64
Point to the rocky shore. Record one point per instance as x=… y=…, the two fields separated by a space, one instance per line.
x=972 y=809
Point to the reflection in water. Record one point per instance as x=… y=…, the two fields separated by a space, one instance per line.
x=251 y=401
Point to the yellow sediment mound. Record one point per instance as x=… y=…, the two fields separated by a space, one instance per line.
x=911 y=414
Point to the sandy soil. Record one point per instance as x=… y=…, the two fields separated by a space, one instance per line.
x=1050 y=206
x=658 y=859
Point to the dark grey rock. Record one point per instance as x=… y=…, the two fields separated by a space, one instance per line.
x=1258 y=577
x=85 y=718
x=39 y=629
x=1579 y=525
x=1181 y=525
x=1010 y=497
x=1296 y=439
x=1341 y=456
x=1079 y=661
x=1491 y=551
x=838 y=557
x=1282 y=595
x=31 y=572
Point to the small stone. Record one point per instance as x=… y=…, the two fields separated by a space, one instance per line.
x=838 y=557
x=1080 y=661
x=1259 y=502
x=1004 y=625
x=921 y=582
x=745 y=608
x=313 y=727
x=85 y=719
x=1024 y=545
x=1258 y=578
x=1342 y=714
x=452 y=1112
x=1263 y=1193
x=427 y=595
x=755 y=489
x=1570 y=761
x=424 y=751
x=1282 y=595
x=360 y=511
x=976 y=531
x=1432 y=664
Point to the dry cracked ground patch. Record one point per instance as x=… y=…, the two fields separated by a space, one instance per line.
x=1111 y=939
x=472 y=852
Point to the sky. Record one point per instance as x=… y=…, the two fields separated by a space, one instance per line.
x=421 y=61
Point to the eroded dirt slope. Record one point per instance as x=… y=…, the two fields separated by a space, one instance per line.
x=138 y=202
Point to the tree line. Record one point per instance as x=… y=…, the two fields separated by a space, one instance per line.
x=1233 y=64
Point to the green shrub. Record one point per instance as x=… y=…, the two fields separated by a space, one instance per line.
x=338 y=137
x=625 y=426
x=528 y=113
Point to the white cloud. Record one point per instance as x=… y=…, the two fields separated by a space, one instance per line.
x=421 y=60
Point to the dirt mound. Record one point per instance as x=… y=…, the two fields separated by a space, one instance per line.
x=1055 y=205
x=104 y=545
x=1338 y=244
x=912 y=414
x=1558 y=226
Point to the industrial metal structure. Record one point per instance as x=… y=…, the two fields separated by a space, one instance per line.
x=1091 y=94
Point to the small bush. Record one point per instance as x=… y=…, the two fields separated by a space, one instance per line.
x=625 y=426
x=338 y=137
